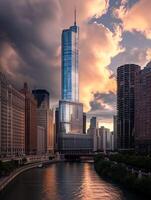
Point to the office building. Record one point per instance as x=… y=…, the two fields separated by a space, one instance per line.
x=84 y=123
x=126 y=76
x=30 y=121
x=45 y=118
x=93 y=122
x=143 y=110
x=42 y=97
x=12 y=120
x=72 y=137
x=40 y=140
x=115 y=131
x=104 y=139
x=71 y=117
x=56 y=131
x=70 y=56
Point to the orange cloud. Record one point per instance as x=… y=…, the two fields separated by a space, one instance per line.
x=138 y=18
x=97 y=46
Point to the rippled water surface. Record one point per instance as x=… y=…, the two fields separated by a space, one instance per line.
x=64 y=181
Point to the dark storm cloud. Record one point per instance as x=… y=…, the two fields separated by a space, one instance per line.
x=95 y=105
x=25 y=26
x=103 y=105
x=107 y=98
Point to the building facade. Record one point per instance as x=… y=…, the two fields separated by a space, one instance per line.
x=30 y=121
x=115 y=131
x=40 y=140
x=143 y=110
x=42 y=97
x=70 y=54
x=12 y=120
x=71 y=137
x=45 y=118
x=93 y=122
x=84 y=123
x=126 y=76
x=70 y=117
x=104 y=140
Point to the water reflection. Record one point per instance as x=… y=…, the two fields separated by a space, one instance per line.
x=64 y=181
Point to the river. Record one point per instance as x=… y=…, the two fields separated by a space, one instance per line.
x=64 y=181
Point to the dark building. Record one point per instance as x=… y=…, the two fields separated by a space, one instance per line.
x=30 y=121
x=56 y=128
x=93 y=122
x=126 y=76
x=84 y=123
x=42 y=97
x=143 y=110
x=45 y=118
x=115 y=131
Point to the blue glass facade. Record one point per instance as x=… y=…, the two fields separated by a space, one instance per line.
x=70 y=53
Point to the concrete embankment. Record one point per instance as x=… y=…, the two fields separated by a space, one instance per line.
x=6 y=180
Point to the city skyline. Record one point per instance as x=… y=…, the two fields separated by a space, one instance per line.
x=108 y=39
x=75 y=93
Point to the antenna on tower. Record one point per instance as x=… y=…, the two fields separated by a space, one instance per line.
x=75 y=16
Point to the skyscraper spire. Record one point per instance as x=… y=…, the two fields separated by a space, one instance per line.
x=75 y=16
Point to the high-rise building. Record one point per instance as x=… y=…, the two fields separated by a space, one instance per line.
x=42 y=98
x=71 y=117
x=84 y=122
x=30 y=121
x=126 y=76
x=40 y=140
x=115 y=131
x=70 y=110
x=12 y=119
x=143 y=110
x=71 y=137
x=93 y=122
x=45 y=118
x=56 y=128
x=70 y=53
x=104 y=139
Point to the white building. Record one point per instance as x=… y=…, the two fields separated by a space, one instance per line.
x=12 y=119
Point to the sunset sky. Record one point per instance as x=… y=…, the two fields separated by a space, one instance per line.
x=112 y=33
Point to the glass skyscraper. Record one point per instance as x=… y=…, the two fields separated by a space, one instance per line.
x=71 y=137
x=70 y=53
x=70 y=110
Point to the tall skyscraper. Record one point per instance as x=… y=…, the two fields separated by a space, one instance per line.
x=84 y=122
x=71 y=137
x=30 y=121
x=143 y=110
x=70 y=110
x=126 y=76
x=45 y=118
x=12 y=119
x=42 y=97
x=115 y=131
x=93 y=122
x=70 y=53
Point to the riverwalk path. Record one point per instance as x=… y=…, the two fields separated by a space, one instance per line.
x=4 y=181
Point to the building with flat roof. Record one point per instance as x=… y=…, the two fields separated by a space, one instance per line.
x=12 y=120
x=30 y=121
x=126 y=76
x=143 y=110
